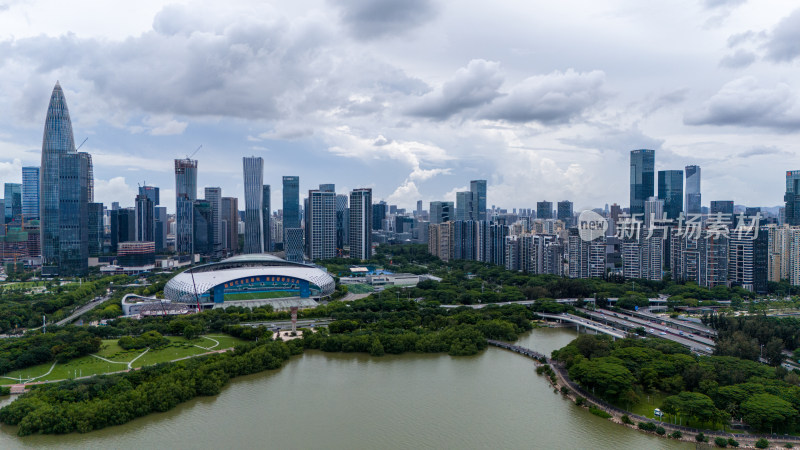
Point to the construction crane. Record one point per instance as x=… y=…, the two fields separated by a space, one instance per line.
x=84 y=141
x=195 y=152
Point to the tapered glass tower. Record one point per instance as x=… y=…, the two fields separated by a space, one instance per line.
x=57 y=141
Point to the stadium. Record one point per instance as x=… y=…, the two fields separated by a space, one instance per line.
x=250 y=280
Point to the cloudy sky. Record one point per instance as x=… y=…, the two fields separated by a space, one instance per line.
x=413 y=98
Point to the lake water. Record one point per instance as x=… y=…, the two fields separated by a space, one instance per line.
x=346 y=401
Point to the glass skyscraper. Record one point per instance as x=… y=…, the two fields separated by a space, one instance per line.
x=13 y=202
x=213 y=195
x=478 y=188
x=30 y=193
x=792 y=197
x=185 y=196
x=266 y=216
x=670 y=190
x=253 y=204
x=565 y=212
x=465 y=206
x=65 y=191
x=145 y=219
x=642 y=178
x=73 y=191
x=152 y=193
x=291 y=202
x=693 y=204
x=544 y=210
x=57 y=141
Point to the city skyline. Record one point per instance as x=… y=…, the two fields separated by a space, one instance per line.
x=407 y=103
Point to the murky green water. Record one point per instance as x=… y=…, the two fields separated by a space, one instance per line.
x=345 y=401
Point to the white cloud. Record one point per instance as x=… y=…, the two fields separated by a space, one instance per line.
x=114 y=190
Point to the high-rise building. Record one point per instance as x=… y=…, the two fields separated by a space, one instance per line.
x=230 y=224
x=544 y=210
x=30 y=193
x=266 y=217
x=565 y=212
x=379 y=211
x=96 y=229
x=441 y=212
x=418 y=211
x=653 y=209
x=152 y=192
x=342 y=224
x=13 y=203
x=185 y=196
x=478 y=188
x=213 y=195
x=293 y=244
x=670 y=191
x=202 y=227
x=123 y=227
x=57 y=141
x=722 y=207
x=253 y=204
x=587 y=259
x=792 y=198
x=642 y=179
x=321 y=225
x=441 y=240
x=497 y=239
x=693 y=203
x=145 y=219
x=161 y=229
x=328 y=187
x=747 y=259
x=74 y=175
x=361 y=223
x=291 y=202
x=465 y=239
x=465 y=208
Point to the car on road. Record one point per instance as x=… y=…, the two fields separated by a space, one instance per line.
x=663 y=333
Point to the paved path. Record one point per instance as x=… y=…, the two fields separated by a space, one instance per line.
x=216 y=343
x=34 y=378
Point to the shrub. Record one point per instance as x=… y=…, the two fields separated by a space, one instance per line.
x=580 y=401
x=788 y=445
x=762 y=443
x=564 y=390
x=599 y=412
x=646 y=426
x=700 y=437
x=661 y=431
x=676 y=435
x=721 y=442
x=627 y=420
x=732 y=442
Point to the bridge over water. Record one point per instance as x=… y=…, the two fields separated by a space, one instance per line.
x=580 y=322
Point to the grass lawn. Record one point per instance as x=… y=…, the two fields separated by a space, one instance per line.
x=261 y=295
x=360 y=288
x=109 y=349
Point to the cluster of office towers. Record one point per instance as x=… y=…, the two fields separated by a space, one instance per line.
x=51 y=219
x=747 y=253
